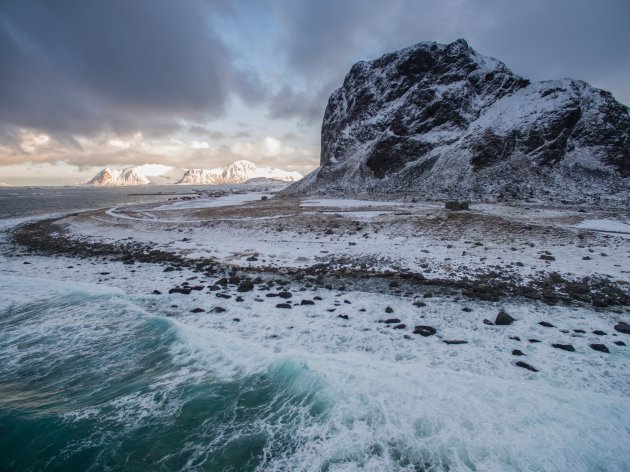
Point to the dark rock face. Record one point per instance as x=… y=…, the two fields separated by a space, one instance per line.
x=447 y=123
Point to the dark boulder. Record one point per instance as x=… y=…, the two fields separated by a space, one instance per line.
x=564 y=347
x=284 y=305
x=517 y=352
x=546 y=324
x=600 y=348
x=503 y=319
x=424 y=330
x=525 y=365
x=307 y=302
x=245 y=286
x=182 y=290
x=622 y=327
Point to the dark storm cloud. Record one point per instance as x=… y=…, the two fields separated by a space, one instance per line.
x=81 y=66
x=540 y=39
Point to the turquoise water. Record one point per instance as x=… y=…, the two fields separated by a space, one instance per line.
x=92 y=381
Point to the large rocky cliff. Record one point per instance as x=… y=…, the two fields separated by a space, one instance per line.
x=442 y=121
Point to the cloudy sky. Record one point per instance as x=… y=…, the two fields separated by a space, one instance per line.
x=86 y=84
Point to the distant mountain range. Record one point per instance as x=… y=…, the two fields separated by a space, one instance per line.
x=236 y=173
x=2 y=184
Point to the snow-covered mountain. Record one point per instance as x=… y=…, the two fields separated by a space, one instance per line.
x=138 y=175
x=3 y=184
x=442 y=121
x=236 y=173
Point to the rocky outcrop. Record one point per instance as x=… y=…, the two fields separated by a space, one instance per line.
x=444 y=122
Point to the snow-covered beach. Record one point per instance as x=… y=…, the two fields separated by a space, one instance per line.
x=374 y=321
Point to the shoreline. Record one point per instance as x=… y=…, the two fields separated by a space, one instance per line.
x=47 y=236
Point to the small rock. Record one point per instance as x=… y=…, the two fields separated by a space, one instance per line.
x=239 y=299
x=503 y=319
x=620 y=343
x=223 y=295
x=197 y=310
x=517 y=352
x=534 y=340
x=252 y=259
x=182 y=290
x=455 y=341
x=317 y=297
x=236 y=319
x=389 y=310
x=345 y=317
x=515 y=338
x=419 y=304
x=167 y=269
x=466 y=309
x=546 y=324
x=285 y=295
x=157 y=292
x=214 y=288
x=600 y=348
x=400 y=326
x=391 y=320
x=284 y=305
x=564 y=347
x=245 y=286
x=622 y=327
x=424 y=330
x=525 y=365
x=218 y=309
x=307 y=302
x=546 y=257
x=488 y=322
x=599 y=332
x=579 y=331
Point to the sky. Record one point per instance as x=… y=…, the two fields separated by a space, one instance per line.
x=86 y=84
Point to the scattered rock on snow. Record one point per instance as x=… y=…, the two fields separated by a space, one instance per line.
x=525 y=365
x=622 y=327
x=564 y=347
x=600 y=348
x=424 y=330
x=504 y=319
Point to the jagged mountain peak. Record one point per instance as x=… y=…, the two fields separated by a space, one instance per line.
x=443 y=121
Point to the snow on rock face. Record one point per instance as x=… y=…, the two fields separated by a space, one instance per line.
x=442 y=121
x=236 y=173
